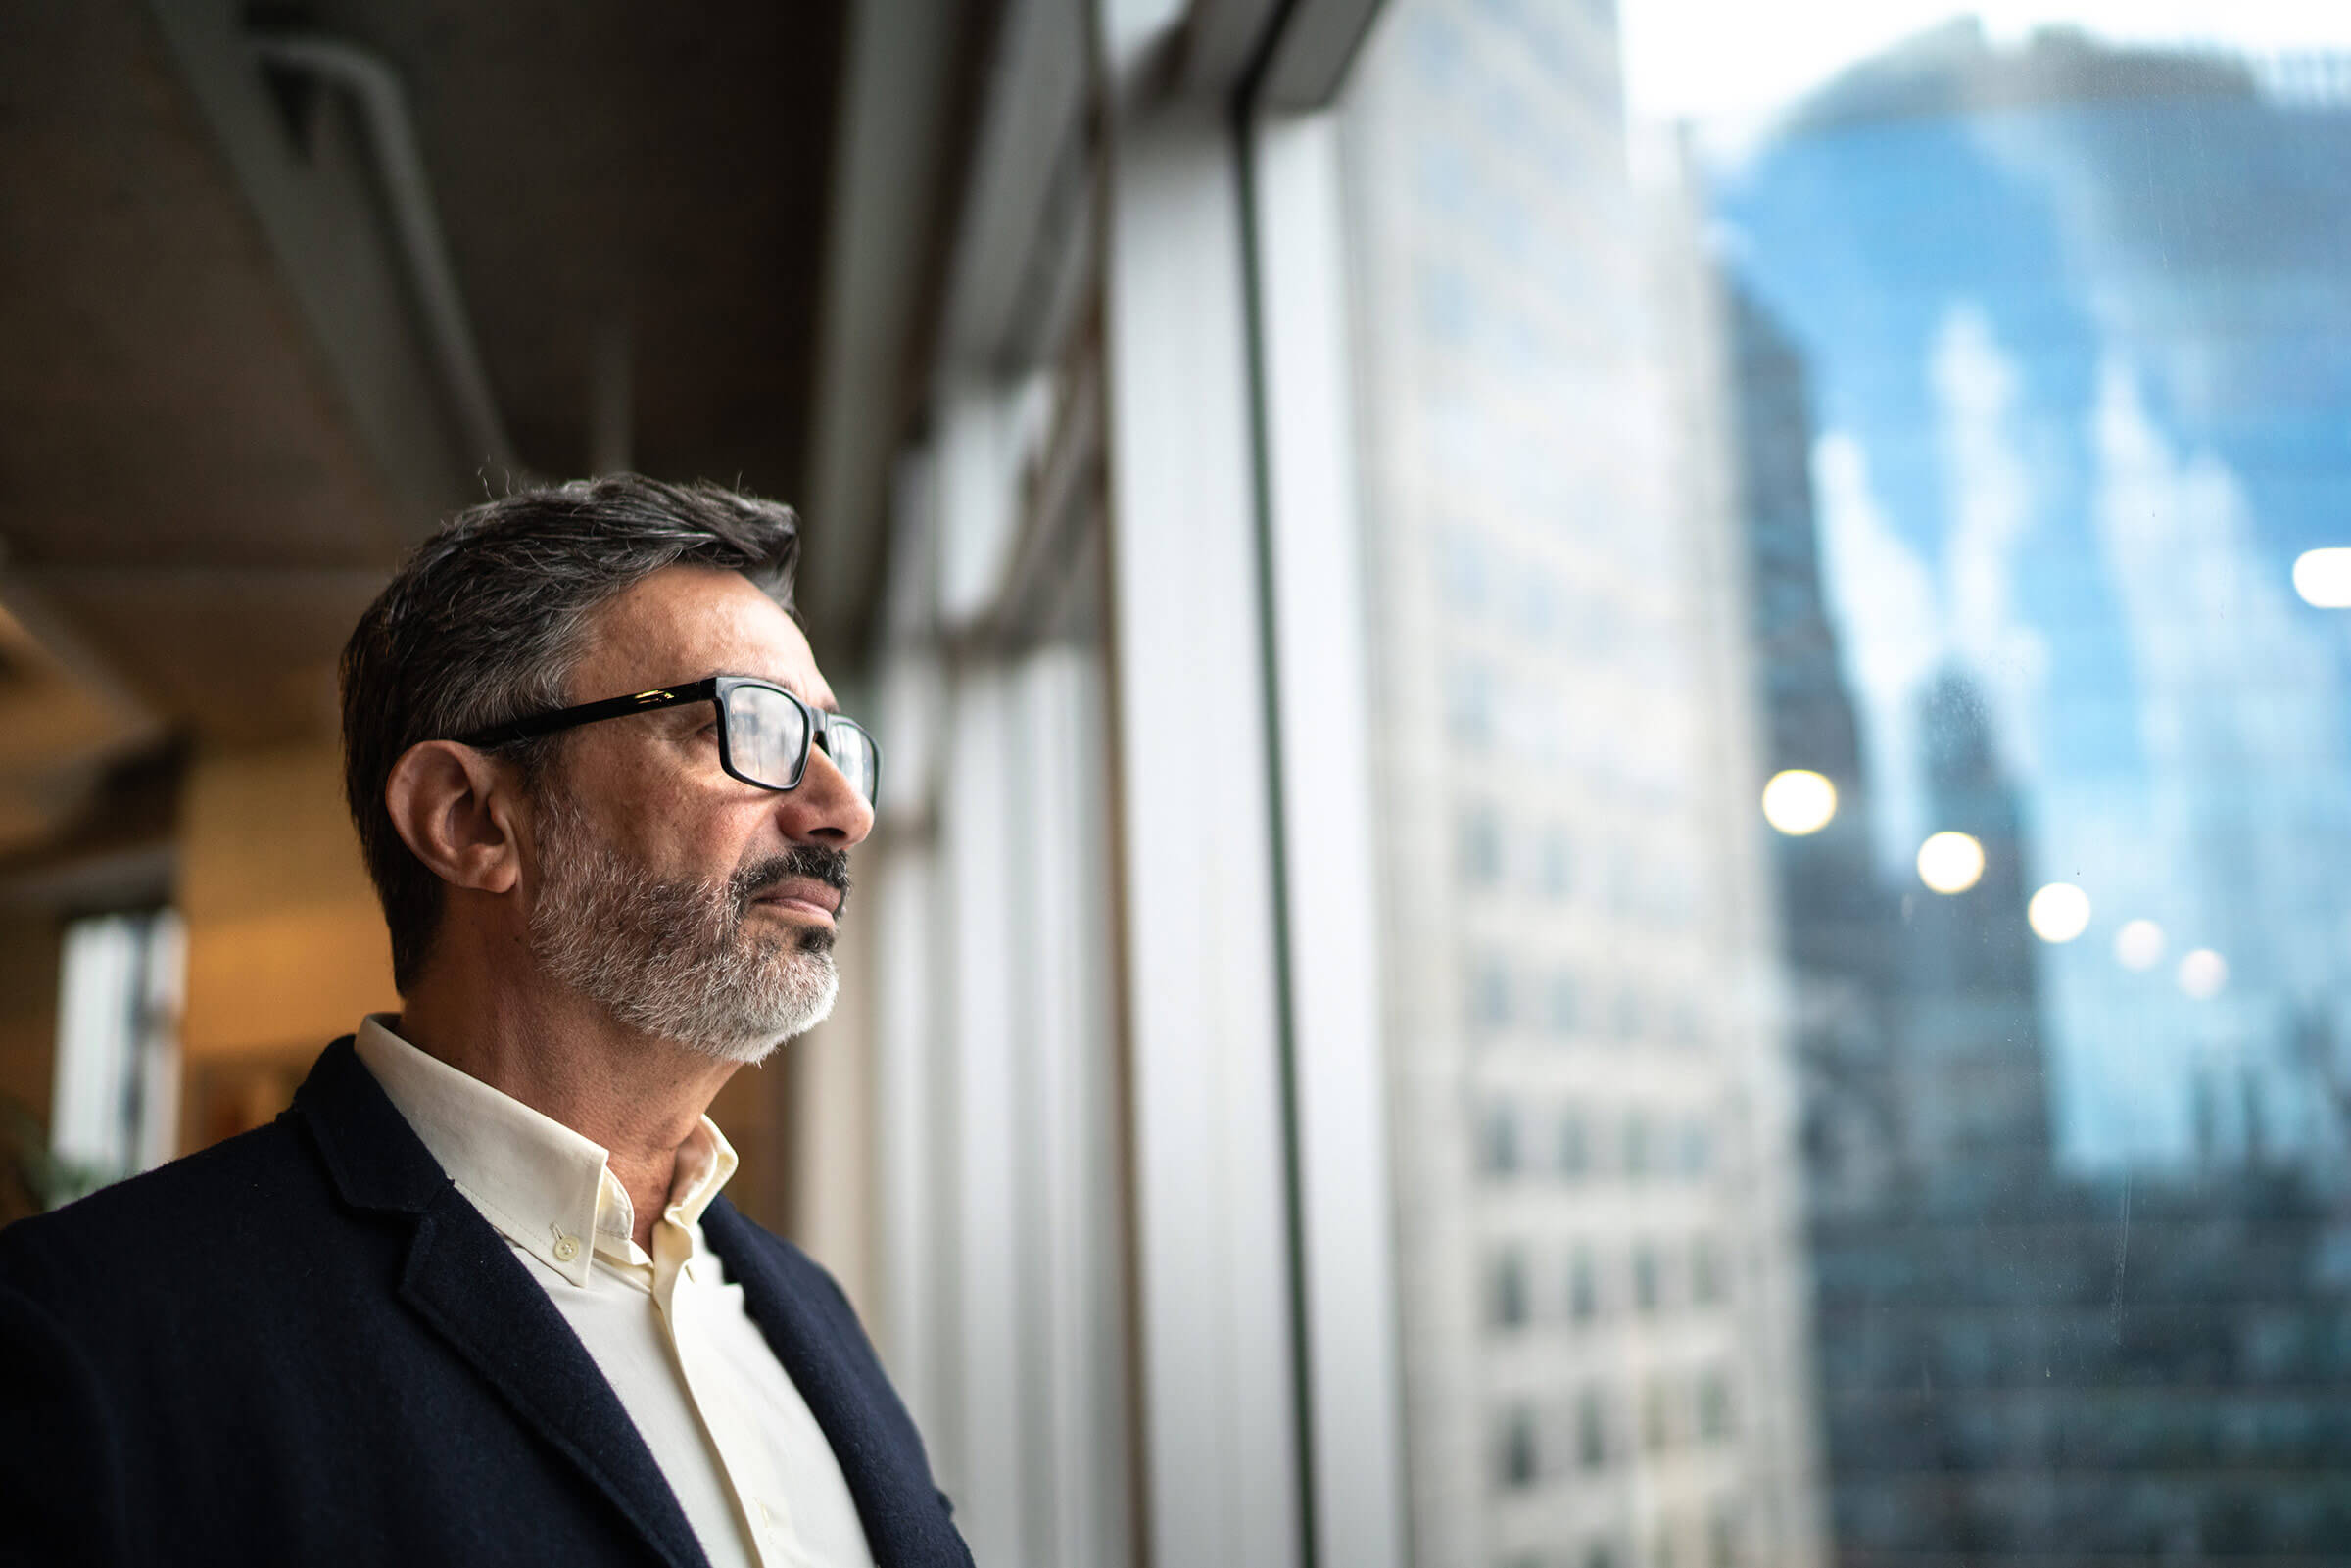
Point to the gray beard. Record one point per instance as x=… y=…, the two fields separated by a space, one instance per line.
x=673 y=958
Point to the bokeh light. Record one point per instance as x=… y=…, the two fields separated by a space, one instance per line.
x=2138 y=945
x=1799 y=801
x=2058 y=912
x=2202 y=974
x=1950 y=863
x=2322 y=577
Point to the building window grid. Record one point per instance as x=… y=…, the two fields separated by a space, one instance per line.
x=1649 y=1147
x=1522 y=1000
x=1533 y=870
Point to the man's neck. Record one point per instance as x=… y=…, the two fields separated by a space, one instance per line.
x=640 y=1097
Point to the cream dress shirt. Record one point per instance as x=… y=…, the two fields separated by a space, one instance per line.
x=753 y=1471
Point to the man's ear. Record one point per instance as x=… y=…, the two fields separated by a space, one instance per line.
x=455 y=809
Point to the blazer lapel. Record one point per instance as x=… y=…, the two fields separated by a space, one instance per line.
x=906 y=1521
x=461 y=1278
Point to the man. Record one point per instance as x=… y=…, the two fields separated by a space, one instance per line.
x=475 y=1297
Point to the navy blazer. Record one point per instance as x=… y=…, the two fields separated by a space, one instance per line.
x=304 y=1345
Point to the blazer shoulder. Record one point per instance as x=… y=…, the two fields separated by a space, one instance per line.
x=155 y=1216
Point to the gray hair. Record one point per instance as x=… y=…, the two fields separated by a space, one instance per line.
x=485 y=621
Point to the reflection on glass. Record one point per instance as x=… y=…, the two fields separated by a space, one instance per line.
x=2322 y=577
x=2203 y=973
x=2043 y=351
x=1957 y=457
x=1950 y=862
x=2058 y=912
x=2138 y=945
x=1799 y=801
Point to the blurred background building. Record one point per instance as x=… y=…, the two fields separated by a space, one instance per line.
x=2076 y=1156
x=1617 y=731
x=1602 y=1312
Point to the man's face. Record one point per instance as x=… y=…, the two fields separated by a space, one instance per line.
x=690 y=905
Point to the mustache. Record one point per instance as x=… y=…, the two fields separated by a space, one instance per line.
x=812 y=860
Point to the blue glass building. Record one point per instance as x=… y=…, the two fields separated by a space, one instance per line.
x=2077 y=338
x=2043 y=365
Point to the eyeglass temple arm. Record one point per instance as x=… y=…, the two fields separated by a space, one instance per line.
x=538 y=724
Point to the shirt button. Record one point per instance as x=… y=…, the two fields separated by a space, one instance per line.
x=567 y=1248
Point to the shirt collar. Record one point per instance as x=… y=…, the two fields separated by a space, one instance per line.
x=548 y=1189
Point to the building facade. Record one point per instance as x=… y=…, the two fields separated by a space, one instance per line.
x=1594 y=1143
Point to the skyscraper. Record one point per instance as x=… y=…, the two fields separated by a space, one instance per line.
x=1594 y=1136
x=2038 y=1337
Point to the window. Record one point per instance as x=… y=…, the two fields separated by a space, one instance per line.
x=1591 y=1430
x=1624 y=1016
x=1518 y=1463
x=1511 y=1307
x=1490 y=996
x=1714 y=1413
x=1696 y=1153
x=1469 y=706
x=1847 y=529
x=1656 y=1414
x=1709 y=1281
x=1639 y=1153
x=1499 y=1142
x=1583 y=1283
x=1560 y=997
x=1557 y=866
x=1461 y=552
x=1723 y=1538
x=1575 y=1146
x=1481 y=847
x=1905 y=473
x=1649 y=1277
x=115 y=1103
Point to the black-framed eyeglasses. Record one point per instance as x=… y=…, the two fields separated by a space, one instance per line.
x=764 y=731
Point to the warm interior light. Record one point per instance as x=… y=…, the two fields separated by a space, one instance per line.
x=1799 y=801
x=2058 y=912
x=1950 y=863
x=2202 y=974
x=2138 y=945
x=2322 y=577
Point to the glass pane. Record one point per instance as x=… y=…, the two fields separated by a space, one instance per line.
x=1867 y=502
x=767 y=735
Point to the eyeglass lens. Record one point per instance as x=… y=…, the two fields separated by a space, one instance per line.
x=767 y=741
x=854 y=753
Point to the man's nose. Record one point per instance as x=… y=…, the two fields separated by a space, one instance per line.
x=826 y=808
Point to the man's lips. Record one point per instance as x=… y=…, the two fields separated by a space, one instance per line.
x=802 y=893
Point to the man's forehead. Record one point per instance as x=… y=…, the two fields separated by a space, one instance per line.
x=686 y=622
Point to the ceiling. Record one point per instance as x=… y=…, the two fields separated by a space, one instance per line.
x=659 y=171
x=222 y=413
